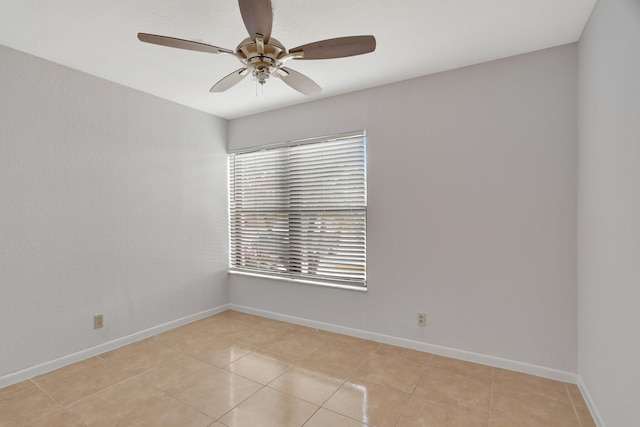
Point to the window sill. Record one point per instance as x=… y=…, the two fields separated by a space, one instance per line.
x=301 y=281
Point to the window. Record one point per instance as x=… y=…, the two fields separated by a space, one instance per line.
x=298 y=211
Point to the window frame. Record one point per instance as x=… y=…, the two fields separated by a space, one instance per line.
x=359 y=213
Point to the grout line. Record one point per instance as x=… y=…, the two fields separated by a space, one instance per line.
x=314 y=412
x=60 y=405
x=490 y=396
x=404 y=408
x=170 y=395
x=573 y=405
x=238 y=405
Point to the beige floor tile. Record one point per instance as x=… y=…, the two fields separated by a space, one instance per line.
x=530 y=410
x=257 y=334
x=216 y=394
x=576 y=395
x=275 y=323
x=292 y=346
x=420 y=413
x=358 y=345
x=390 y=371
x=324 y=368
x=253 y=371
x=214 y=326
x=259 y=367
x=585 y=416
x=336 y=358
x=325 y=418
x=59 y=418
x=181 y=338
x=308 y=385
x=220 y=352
x=24 y=405
x=79 y=380
x=115 y=404
x=505 y=381
x=15 y=388
x=200 y=343
x=178 y=374
x=316 y=334
x=270 y=408
x=227 y=324
x=367 y=402
x=167 y=412
x=140 y=356
x=449 y=389
x=406 y=355
x=461 y=367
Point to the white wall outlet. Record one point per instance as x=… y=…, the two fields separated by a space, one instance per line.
x=422 y=319
x=98 y=321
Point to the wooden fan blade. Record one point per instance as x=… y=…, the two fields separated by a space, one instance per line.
x=299 y=82
x=337 y=48
x=180 y=43
x=258 y=17
x=229 y=80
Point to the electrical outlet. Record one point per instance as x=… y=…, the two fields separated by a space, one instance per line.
x=422 y=319
x=98 y=321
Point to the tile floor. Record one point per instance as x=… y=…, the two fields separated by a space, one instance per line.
x=234 y=370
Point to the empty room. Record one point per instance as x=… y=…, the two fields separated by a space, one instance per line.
x=359 y=214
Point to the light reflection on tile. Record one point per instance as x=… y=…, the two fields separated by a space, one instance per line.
x=325 y=418
x=390 y=371
x=270 y=408
x=367 y=402
x=216 y=394
x=311 y=386
x=259 y=367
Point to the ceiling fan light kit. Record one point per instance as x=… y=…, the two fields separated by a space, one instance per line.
x=263 y=56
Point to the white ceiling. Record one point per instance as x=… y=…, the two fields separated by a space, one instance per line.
x=414 y=38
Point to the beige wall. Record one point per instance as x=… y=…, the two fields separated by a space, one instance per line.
x=112 y=202
x=472 y=182
x=609 y=212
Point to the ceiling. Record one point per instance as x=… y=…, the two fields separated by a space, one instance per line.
x=414 y=38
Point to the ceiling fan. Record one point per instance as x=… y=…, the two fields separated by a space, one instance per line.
x=263 y=56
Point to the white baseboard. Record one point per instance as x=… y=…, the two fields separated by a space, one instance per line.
x=497 y=362
x=386 y=339
x=592 y=407
x=60 y=362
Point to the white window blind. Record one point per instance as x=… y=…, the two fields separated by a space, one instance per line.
x=298 y=211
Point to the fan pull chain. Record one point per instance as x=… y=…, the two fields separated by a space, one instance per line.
x=261 y=91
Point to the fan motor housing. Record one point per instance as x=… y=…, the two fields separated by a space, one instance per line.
x=262 y=63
